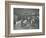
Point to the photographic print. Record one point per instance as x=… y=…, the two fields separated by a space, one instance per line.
x=25 y=18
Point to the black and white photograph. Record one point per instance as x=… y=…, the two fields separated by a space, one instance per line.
x=25 y=18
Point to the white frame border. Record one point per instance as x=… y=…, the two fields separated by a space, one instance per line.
x=26 y=31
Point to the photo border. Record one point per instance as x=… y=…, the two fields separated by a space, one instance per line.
x=29 y=30
x=7 y=19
